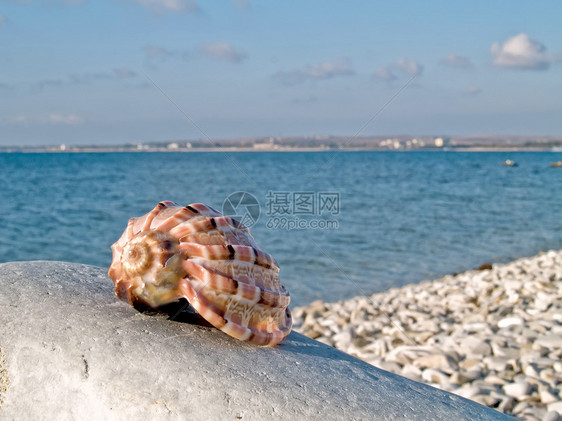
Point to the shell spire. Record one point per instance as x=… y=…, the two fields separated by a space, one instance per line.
x=196 y=253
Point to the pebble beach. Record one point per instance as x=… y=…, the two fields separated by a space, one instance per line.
x=492 y=335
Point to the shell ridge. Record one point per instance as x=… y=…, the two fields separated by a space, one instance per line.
x=241 y=270
x=198 y=224
x=255 y=293
x=232 y=328
x=204 y=209
x=230 y=252
x=220 y=282
x=179 y=217
x=152 y=214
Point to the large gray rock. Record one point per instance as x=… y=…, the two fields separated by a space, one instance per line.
x=73 y=351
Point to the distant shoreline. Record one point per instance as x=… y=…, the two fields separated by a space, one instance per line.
x=241 y=149
x=404 y=143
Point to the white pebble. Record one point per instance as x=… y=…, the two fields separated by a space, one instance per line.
x=556 y=406
x=550 y=341
x=551 y=416
x=510 y=321
x=547 y=397
x=517 y=390
x=493 y=336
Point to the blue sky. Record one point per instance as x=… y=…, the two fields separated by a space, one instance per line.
x=79 y=72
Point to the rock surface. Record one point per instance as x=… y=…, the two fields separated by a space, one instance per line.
x=73 y=351
x=493 y=335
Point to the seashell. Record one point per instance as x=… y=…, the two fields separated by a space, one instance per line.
x=196 y=253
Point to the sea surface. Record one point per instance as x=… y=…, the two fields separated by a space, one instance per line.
x=367 y=221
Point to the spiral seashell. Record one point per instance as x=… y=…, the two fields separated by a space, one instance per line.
x=196 y=253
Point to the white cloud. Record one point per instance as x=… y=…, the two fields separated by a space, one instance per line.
x=223 y=51
x=410 y=67
x=403 y=66
x=385 y=73
x=473 y=90
x=460 y=62
x=326 y=70
x=521 y=52
x=65 y=119
x=170 y=5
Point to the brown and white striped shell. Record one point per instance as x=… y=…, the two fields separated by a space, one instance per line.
x=195 y=252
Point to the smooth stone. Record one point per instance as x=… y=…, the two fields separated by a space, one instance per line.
x=491 y=388
x=531 y=371
x=475 y=327
x=533 y=381
x=469 y=391
x=495 y=380
x=432 y=375
x=497 y=363
x=550 y=341
x=520 y=407
x=547 y=397
x=298 y=313
x=73 y=350
x=486 y=400
x=544 y=363
x=517 y=390
x=389 y=366
x=458 y=378
x=510 y=321
x=475 y=345
x=506 y=352
x=317 y=305
x=533 y=414
x=324 y=340
x=411 y=371
x=439 y=361
x=470 y=364
x=556 y=406
x=473 y=374
x=343 y=338
x=506 y=404
x=551 y=416
x=378 y=347
x=532 y=356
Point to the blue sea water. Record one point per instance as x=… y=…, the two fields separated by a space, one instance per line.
x=401 y=217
